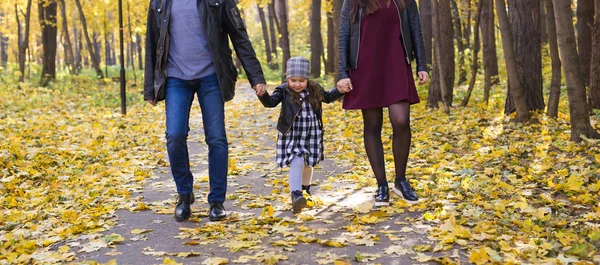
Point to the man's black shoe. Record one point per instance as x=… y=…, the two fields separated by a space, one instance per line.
x=216 y=212
x=182 y=209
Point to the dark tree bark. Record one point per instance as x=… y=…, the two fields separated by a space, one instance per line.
x=67 y=44
x=488 y=38
x=441 y=15
x=337 y=11
x=138 y=44
x=444 y=39
x=23 y=38
x=518 y=93
x=131 y=45
x=544 y=21
x=525 y=29
x=330 y=62
x=3 y=42
x=265 y=31
x=426 y=26
x=284 y=41
x=77 y=47
x=585 y=20
x=554 y=96
x=315 y=39
x=578 y=108
x=474 y=65
x=460 y=43
x=595 y=62
x=95 y=61
x=273 y=24
x=47 y=16
x=467 y=28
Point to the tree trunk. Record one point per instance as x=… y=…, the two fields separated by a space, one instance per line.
x=467 y=28
x=273 y=23
x=265 y=31
x=95 y=62
x=330 y=62
x=23 y=39
x=68 y=46
x=474 y=65
x=554 y=96
x=518 y=93
x=488 y=38
x=543 y=22
x=444 y=38
x=47 y=17
x=438 y=20
x=595 y=62
x=131 y=45
x=138 y=44
x=426 y=26
x=525 y=29
x=284 y=41
x=578 y=108
x=3 y=42
x=315 y=39
x=337 y=11
x=77 y=42
x=585 y=20
x=460 y=43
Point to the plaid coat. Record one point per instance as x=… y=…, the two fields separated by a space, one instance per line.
x=289 y=109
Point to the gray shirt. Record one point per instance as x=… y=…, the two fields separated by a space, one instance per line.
x=189 y=56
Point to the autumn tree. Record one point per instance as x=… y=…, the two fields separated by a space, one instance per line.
x=315 y=39
x=554 y=96
x=442 y=90
x=517 y=93
x=524 y=17
x=578 y=108
x=595 y=62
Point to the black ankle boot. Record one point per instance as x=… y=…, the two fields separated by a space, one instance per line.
x=183 y=209
x=298 y=201
x=382 y=198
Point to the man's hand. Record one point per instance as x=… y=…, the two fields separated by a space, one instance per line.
x=344 y=85
x=151 y=101
x=423 y=77
x=260 y=89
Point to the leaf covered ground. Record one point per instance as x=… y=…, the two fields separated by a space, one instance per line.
x=492 y=191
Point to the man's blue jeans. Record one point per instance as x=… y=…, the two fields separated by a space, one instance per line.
x=178 y=100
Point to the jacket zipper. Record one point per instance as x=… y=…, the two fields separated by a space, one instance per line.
x=358 y=46
x=402 y=33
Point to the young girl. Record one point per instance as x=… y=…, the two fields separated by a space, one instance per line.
x=300 y=125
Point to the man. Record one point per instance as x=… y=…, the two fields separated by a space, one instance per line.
x=187 y=53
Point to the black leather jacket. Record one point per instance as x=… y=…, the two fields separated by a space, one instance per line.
x=414 y=45
x=289 y=109
x=220 y=18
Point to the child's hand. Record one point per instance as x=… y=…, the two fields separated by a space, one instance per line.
x=344 y=85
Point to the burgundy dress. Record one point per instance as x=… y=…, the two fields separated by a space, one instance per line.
x=382 y=76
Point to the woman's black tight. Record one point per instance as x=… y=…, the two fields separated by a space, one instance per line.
x=373 y=121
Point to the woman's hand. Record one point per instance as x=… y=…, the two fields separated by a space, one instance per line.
x=423 y=77
x=344 y=85
x=152 y=102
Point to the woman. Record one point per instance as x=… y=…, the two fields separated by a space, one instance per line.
x=378 y=41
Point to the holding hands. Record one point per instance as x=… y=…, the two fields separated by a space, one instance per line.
x=260 y=89
x=344 y=85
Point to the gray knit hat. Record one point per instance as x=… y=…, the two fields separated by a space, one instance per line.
x=298 y=66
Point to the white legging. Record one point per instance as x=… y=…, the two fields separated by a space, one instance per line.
x=300 y=174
